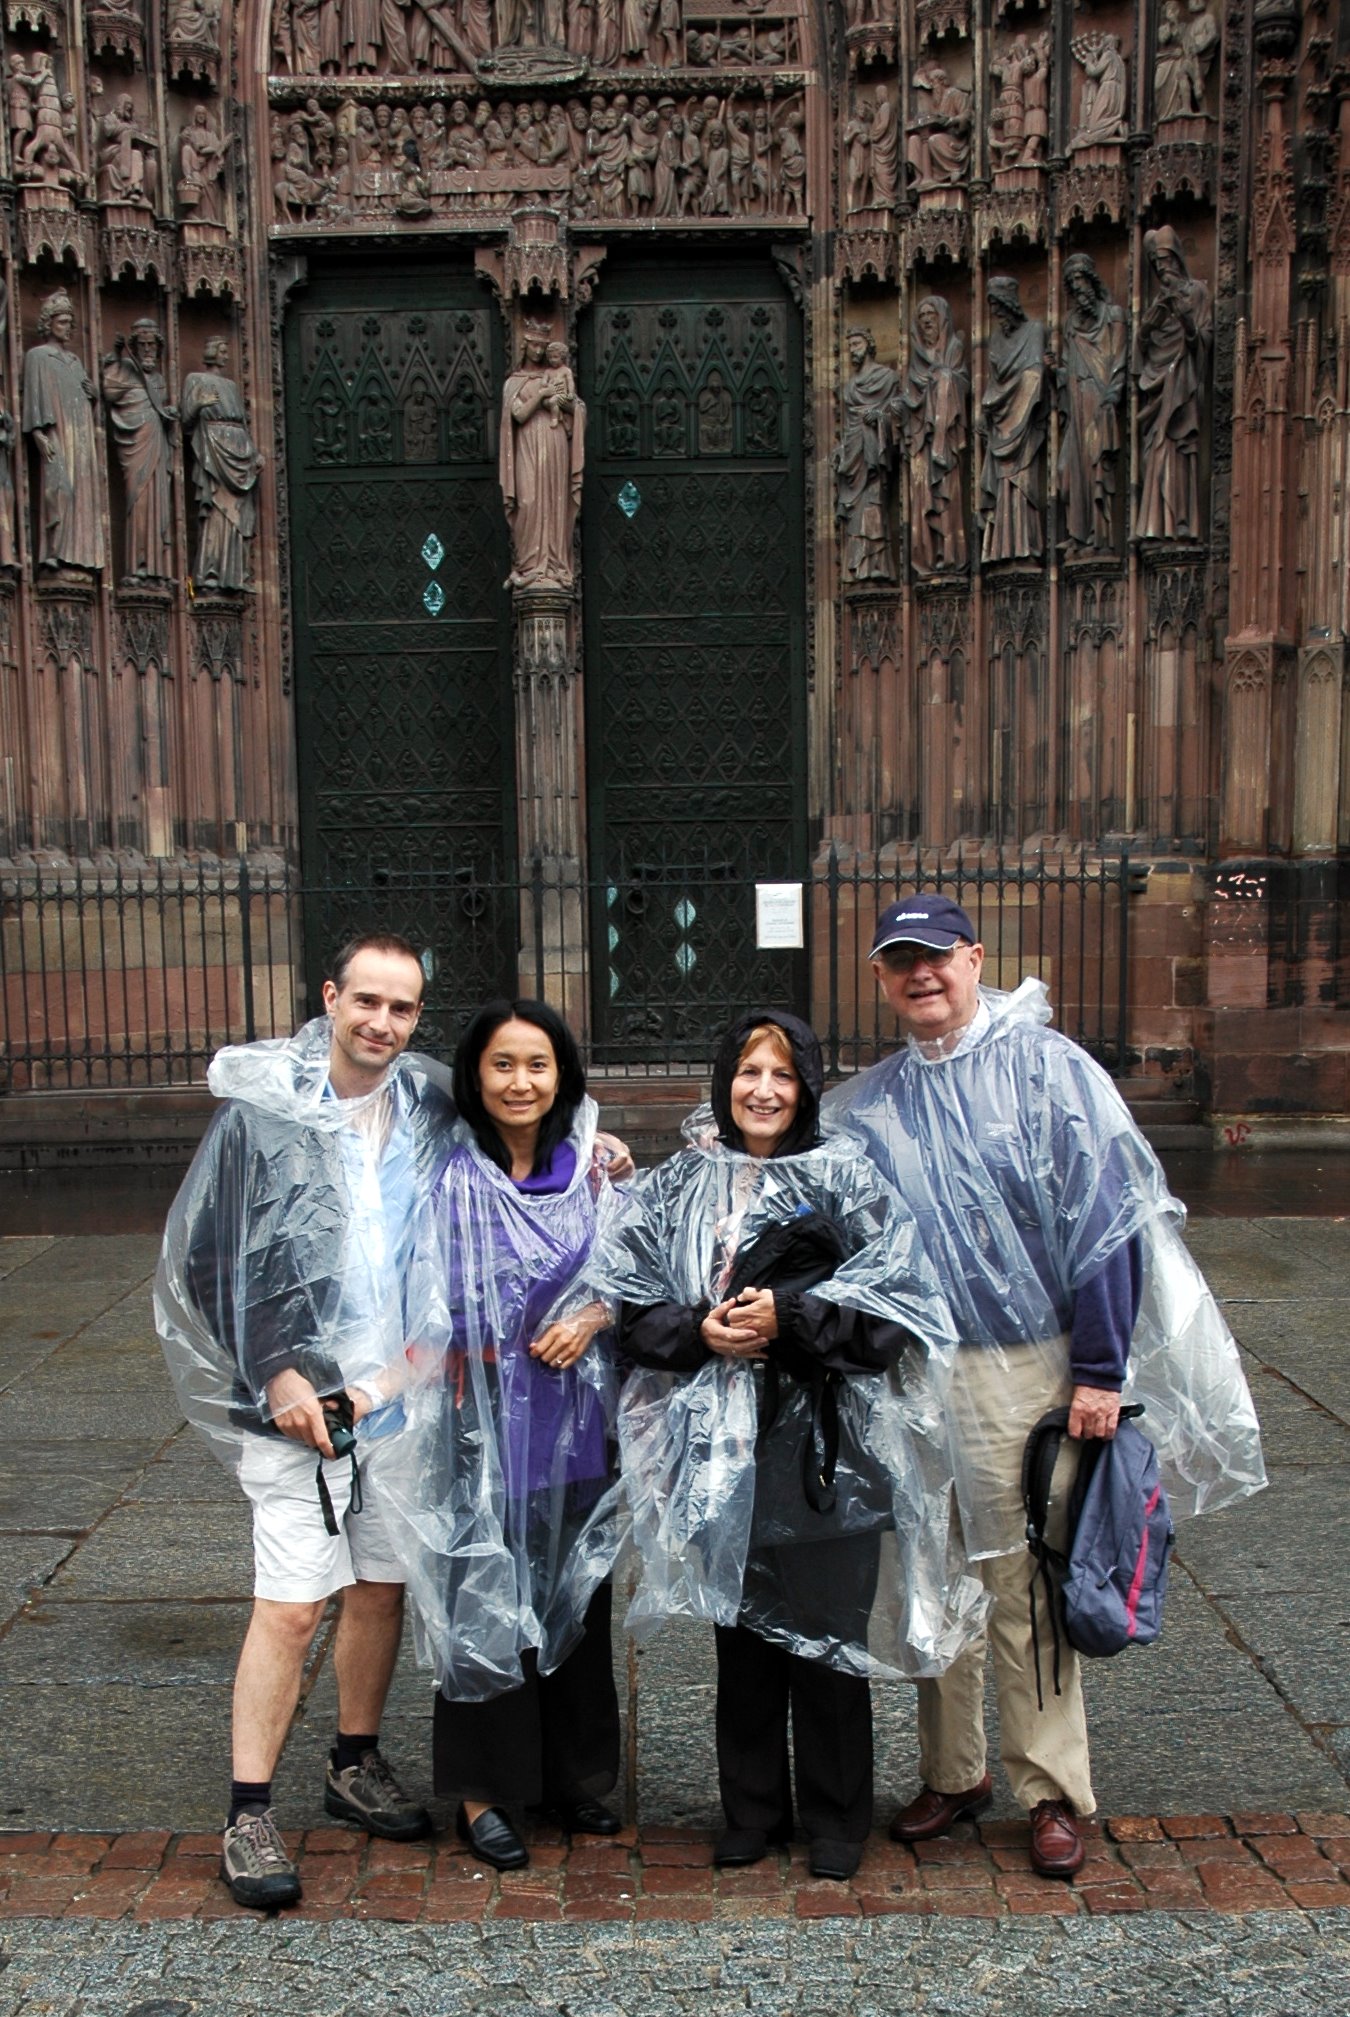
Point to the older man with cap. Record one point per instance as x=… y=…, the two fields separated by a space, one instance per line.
x=1047 y=1216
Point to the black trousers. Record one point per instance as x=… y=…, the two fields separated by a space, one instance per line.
x=827 y=1586
x=555 y=1738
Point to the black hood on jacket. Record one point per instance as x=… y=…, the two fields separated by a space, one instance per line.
x=805 y=1130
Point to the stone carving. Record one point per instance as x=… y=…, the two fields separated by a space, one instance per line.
x=119 y=26
x=201 y=167
x=192 y=35
x=935 y=418
x=1019 y=122
x=938 y=141
x=1012 y=424
x=541 y=458
x=864 y=462
x=516 y=40
x=1185 y=49
x=143 y=429
x=1091 y=388
x=9 y=435
x=873 y=144
x=613 y=156
x=42 y=126
x=226 y=463
x=128 y=157
x=58 y=412
x=1103 y=107
x=1171 y=361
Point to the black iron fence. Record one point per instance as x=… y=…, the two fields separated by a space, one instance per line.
x=120 y=978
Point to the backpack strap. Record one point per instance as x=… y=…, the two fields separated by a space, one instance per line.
x=1040 y=1454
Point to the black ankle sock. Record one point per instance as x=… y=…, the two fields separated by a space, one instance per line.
x=349 y=1751
x=248 y=1796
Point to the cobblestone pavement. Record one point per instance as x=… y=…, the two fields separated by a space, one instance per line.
x=124 y=1584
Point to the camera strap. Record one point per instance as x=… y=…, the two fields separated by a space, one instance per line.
x=356 y=1503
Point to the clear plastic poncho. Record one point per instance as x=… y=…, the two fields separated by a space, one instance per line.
x=877 y=1586
x=499 y=1490
x=1026 y=1173
x=287 y=1244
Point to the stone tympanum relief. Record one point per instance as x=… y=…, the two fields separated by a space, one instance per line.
x=143 y=425
x=865 y=461
x=226 y=463
x=59 y=398
x=1171 y=356
x=1092 y=386
x=616 y=156
x=1012 y=423
x=935 y=419
x=541 y=459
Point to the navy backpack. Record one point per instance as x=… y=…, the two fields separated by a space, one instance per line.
x=1107 y=1592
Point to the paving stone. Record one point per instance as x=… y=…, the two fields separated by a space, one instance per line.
x=26 y=1562
x=115 y=1262
x=115 y=1757
x=66 y=1485
x=154 y=1645
x=1165 y=1765
x=1295 y=1428
x=16 y=1251
x=1266 y=1542
x=150 y=1551
x=185 y=1473
x=1303 y=1648
x=84 y=1417
x=1245 y=1258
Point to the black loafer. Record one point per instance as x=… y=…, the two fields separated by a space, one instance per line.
x=736 y=1847
x=828 y=1858
x=585 y=1817
x=492 y=1839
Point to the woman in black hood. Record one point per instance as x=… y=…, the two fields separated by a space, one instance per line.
x=757 y=1501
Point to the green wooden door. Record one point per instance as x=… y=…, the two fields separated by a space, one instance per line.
x=402 y=628
x=694 y=611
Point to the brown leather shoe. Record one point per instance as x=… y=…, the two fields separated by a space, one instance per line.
x=1056 y=1841
x=933 y=1813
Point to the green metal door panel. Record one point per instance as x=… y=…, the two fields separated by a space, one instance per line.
x=693 y=534
x=402 y=637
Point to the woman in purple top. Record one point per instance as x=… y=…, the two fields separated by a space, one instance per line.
x=503 y=1480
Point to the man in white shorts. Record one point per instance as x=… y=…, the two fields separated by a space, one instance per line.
x=279 y=1302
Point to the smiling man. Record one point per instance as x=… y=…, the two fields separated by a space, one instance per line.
x=1057 y=1244
x=1040 y=1330
x=279 y=1304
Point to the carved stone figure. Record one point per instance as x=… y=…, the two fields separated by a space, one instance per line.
x=1019 y=123
x=194 y=21
x=1171 y=359
x=40 y=127
x=1012 y=423
x=1091 y=387
x=542 y=456
x=128 y=157
x=935 y=418
x=201 y=166
x=864 y=462
x=873 y=153
x=58 y=412
x=226 y=463
x=143 y=424
x=1103 y=109
x=1184 y=52
x=938 y=144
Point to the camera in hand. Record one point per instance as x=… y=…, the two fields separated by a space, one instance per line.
x=341 y=1423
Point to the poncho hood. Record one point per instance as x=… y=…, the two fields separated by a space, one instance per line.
x=804 y=1132
x=287 y=1077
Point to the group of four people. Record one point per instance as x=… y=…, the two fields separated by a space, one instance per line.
x=448 y=1347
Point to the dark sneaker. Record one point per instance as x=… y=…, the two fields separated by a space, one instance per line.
x=255 y=1865
x=370 y=1795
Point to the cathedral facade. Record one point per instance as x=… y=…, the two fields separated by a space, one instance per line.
x=763 y=441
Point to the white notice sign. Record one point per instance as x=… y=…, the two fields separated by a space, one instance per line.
x=778 y=916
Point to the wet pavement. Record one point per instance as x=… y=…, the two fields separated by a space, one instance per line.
x=124 y=1584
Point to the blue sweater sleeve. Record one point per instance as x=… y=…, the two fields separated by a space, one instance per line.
x=1104 y=1312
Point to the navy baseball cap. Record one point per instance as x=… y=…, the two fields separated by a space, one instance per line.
x=934 y=921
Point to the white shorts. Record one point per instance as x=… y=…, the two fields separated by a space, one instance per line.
x=295 y=1559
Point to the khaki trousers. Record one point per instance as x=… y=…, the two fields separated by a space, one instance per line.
x=997 y=1395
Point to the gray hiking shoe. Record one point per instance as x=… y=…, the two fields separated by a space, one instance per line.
x=255 y=1864
x=370 y=1795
